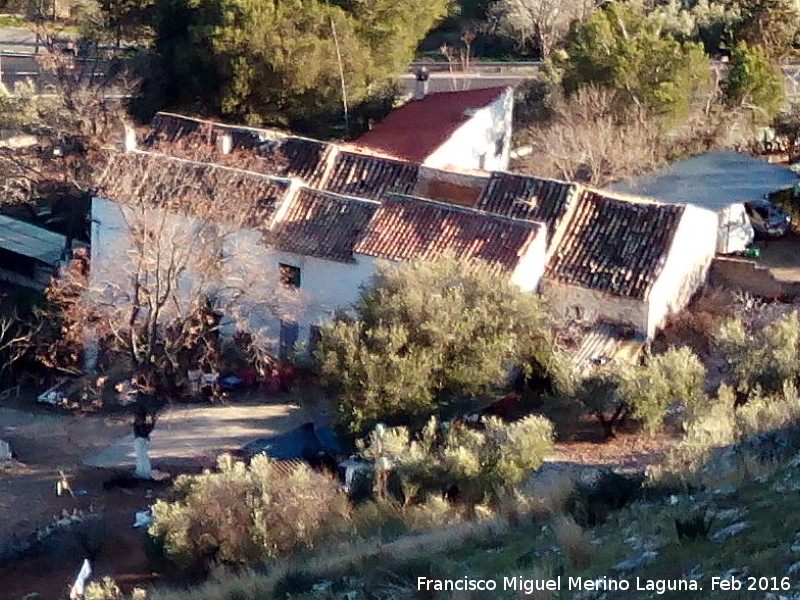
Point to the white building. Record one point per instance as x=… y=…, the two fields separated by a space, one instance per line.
x=628 y=261
x=318 y=246
x=461 y=130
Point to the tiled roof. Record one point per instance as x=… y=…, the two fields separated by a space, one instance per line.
x=259 y=150
x=406 y=228
x=305 y=159
x=171 y=128
x=155 y=180
x=322 y=224
x=614 y=245
x=418 y=128
x=527 y=197
x=371 y=176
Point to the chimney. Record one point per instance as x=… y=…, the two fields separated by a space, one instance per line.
x=129 y=141
x=224 y=143
x=421 y=89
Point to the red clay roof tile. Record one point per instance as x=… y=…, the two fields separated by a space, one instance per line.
x=406 y=228
x=416 y=129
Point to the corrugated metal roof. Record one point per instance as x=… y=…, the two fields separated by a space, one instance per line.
x=603 y=344
x=713 y=180
x=29 y=240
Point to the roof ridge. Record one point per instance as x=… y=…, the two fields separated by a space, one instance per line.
x=457 y=207
x=307 y=188
x=221 y=124
x=212 y=165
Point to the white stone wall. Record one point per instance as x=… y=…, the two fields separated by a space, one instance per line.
x=686 y=269
x=735 y=230
x=474 y=144
x=324 y=285
x=530 y=269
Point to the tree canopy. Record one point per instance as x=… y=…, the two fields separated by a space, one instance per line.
x=425 y=332
x=623 y=48
x=753 y=82
x=279 y=62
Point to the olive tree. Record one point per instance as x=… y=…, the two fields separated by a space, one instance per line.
x=426 y=332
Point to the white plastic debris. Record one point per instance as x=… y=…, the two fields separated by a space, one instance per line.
x=5 y=451
x=77 y=589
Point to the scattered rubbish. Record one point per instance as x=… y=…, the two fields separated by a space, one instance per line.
x=157 y=475
x=51 y=396
x=144 y=518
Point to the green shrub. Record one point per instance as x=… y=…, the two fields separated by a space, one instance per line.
x=677 y=376
x=765 y=357
x=427 y=332
x=478 y=463
x=242 y=515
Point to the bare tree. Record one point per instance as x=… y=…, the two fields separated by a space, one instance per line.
x=589 y=139
x=176 y=269
x=539 y=23
x=586 y=140
x=180 y=265
x=16 y=339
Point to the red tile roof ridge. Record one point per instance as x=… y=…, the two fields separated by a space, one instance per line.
x=335 y=195
x=226 y=125
x=366 y=151
x=624 y=197
x=539 y=178
x=465 y=209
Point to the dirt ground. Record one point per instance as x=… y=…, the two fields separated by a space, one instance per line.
x=186 y=439
x=781 y=256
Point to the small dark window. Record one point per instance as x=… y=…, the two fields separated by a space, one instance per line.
x=290 y=275
x=500 y=145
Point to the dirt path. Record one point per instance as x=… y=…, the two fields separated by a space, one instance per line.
x=91 y=449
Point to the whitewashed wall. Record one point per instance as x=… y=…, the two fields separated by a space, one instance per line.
x=530 y=269
x=735 y=230
x=686 y=268
x=478 y=137
x=325 y=285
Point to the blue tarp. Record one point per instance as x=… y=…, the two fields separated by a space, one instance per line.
x=304 y=443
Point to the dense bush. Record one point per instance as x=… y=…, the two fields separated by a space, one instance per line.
x=478 y=463
x=677 y=376
x=427 y=332
x=242 y=515
x=764 y=358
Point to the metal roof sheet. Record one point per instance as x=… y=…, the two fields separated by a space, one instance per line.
x=29 y=240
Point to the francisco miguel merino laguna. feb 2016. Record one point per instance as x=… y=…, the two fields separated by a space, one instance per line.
x=528 y=586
